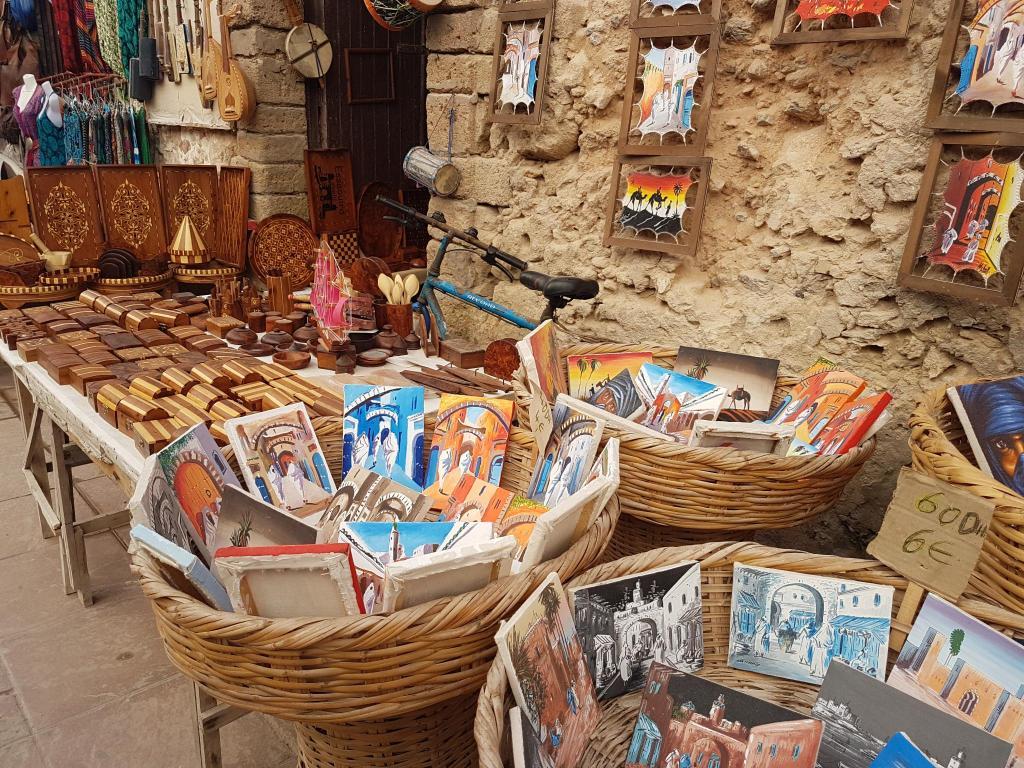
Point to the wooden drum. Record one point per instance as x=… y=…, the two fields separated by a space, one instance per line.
x=428 y=170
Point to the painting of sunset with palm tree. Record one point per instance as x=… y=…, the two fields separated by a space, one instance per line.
x=655 y=203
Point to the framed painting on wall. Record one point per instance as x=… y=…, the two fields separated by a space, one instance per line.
x=657 y=203
x=676 y=13
x=830 y=21
x=666 y=112
x=979 y=76
x=521 y=63
x=963 y=235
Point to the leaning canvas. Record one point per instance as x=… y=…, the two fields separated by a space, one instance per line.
x=686 y=721
x=748 y=381
x=470 y=435
x=538 y=351
x=547 y=672
x=861 y=715
x=154 y=505
x=365 y=496
x=588 y=374
x=246 y=521
x=793 y=625
x=181 y=568
x=384 y=432
x=282 y=461
x=197 y=472
x=963 y=667
x=510 y=513
x=606 y=466
x=290 y=582
x=992 y=415
x=566 y=522
x=627 y=624
x=679 y=402
x=526 y=747
x=567 y=458
x=816 y=398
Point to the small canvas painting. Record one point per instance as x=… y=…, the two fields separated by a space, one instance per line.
x=627 y=624
x=861 y=715
x=246 y=521
x=588 y=373
x=680 y=402
x=793 y=625
x=474 y=500
x=992 y=415
x=384 y=431
x=619 y=396
x=548 y=674
x=748 y=381
x=568 y=455
x=963 y=667
x=851 y=424
x=815 y=399
x=197 y=472
x=648 y=382
x=689 y=722
x=470 y=436
x=365 y=496
x=282 y=461
x=154 y=506
x=520 y=64
x=526 y=747
x=538 y=351
x=901 y=752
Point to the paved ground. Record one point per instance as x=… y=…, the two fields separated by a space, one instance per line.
x=91 y=687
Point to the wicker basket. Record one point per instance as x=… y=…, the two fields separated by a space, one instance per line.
x=691 y=494
x=939 y=449
x=611 y=739
x=392 y=690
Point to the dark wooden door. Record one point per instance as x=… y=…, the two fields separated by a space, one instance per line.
x=374 y=99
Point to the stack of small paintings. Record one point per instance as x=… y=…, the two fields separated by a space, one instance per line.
x=794 y=626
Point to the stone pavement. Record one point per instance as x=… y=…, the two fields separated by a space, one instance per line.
x=91 y=687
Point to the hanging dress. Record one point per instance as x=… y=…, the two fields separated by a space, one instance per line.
x=51 y=141
x=128 y=29
x=136 y=153
x=88 y=37
x=117 y=137
x=74 y=149
x=99 y=138
x=27 y=121
x=67 y=33
x=106 y=32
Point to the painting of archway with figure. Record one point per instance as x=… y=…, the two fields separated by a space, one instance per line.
x=793 y=625
x=568 y=455
x=384 y=432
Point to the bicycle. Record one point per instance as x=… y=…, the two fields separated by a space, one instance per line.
x=559 y=290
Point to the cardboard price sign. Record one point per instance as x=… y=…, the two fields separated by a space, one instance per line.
x=932 y=533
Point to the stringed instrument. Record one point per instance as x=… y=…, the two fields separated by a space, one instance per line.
x=210 y=66
x=308 y=50
x=236 y=98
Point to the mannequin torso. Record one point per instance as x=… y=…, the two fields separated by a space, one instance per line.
x=52 y=105
x=28 y=90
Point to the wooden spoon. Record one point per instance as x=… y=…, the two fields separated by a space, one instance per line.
x=412 y=287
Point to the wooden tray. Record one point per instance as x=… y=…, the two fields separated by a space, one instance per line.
x=14 y=296
x=116 y=286
x=329 y=190
x=66 y=212
x=284 y=242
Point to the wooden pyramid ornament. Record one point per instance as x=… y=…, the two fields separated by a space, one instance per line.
x=188 y=246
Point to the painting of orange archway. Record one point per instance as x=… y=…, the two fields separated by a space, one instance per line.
x=199 y=495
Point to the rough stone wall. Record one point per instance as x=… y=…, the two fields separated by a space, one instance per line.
x=818 y=152
x=271 y=143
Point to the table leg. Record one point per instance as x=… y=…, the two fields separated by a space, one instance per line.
x=37 y=473
x=72 y=538
x=211 y=716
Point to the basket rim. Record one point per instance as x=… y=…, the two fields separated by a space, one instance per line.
x=490 y=723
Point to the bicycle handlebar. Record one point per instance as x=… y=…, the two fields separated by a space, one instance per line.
x=491 y=254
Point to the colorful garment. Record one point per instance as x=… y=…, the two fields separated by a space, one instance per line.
x=117 y=138
x=74 y=149
x=107 y=36
x=99 y=138
x=51 y=141
x=87 y=36
x=26 y=119
x=64 y=22
x=136 y=155
x=142 y=132
x=128 y=29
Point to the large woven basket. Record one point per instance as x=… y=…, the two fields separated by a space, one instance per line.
x=939 y=449
x=611 y=739
x=690 y=494
x=392 y=690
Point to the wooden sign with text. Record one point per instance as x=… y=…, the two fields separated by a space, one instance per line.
x=932 y=533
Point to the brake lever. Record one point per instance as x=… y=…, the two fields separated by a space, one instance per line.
x=495 y=263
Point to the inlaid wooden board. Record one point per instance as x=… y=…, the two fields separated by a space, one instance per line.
x=66 y=212
x=232 y=215
x=191 y=190
x=284 y=242
x=133 y=213
x=329 y=190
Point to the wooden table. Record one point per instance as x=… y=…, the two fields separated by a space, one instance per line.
x=48 y=409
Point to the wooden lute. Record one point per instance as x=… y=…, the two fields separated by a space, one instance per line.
x=210 y=66
x=236 y=98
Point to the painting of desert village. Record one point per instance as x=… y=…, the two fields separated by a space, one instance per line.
x=964 y=668
x=548 y=674
x=863 y=717
x=792 y=625
x=282 y=461
x=689 y=722
x=626 y=624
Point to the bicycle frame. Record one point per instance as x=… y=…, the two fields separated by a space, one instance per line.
x=433 y=283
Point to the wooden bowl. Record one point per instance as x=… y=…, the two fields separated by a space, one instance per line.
x=373 y=357
x=241 y=336
x=305 y=334
x=277 y=338
x=293 y=361
x=258 y=349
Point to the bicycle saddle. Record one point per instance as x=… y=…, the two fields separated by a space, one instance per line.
x=559 y=286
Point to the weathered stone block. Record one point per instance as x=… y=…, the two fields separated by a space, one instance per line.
x=274 y=118
x=274 y=80
x=486 y=180
x=262 y=206
x=471 y=130
x=257 y=41
x=468 y=32
x=271 y=148
x=466 y=73
x=278 y=178
x=268 y=13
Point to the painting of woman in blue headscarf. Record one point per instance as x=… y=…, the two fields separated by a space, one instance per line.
x=992 y=414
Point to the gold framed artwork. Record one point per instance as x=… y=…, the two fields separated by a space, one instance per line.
x=979 y=75
x=657 y=203
x=668 y=102
x=832 y=21
x=964 y=234
x=521 y=63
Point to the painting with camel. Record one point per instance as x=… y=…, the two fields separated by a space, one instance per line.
x=748 y=380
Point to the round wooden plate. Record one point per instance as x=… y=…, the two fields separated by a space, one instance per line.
x=287 y=243
x=378 y=238
x=14 y=250
x=373 y=357
x=70 y=276
x=257 y=350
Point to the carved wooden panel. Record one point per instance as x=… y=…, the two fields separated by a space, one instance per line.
x=133 y=213
x=66 y=212
x=284 y=242
x=233 y=215
x=329 y=190
x=191 y=190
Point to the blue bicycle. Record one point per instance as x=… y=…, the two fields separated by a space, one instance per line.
x=559 y=290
